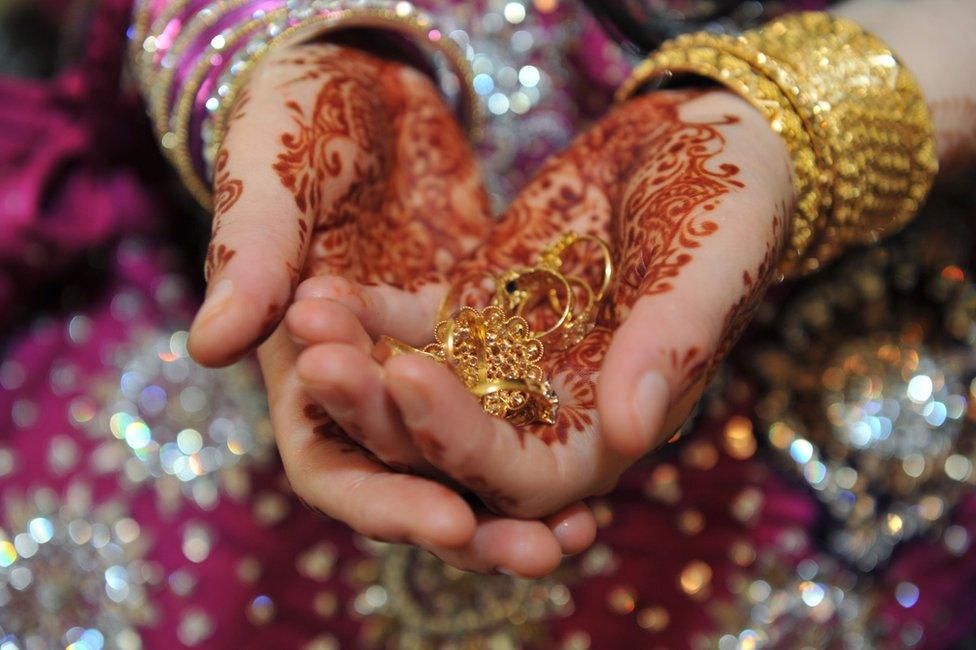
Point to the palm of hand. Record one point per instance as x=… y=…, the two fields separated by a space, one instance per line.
x=377 y=160
x=660 y=188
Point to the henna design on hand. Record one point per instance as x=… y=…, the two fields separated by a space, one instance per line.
x=218 y=255
x=666 y=209
x=324 y=426
x=754 y=284
x=381 y=174
x=379 y=138
x=429 y=445
x=272 y=317
x=227 y=191
x=240 y=105
x=573 y=375
x=493 y=498
x=645 y=180
x=691 y=365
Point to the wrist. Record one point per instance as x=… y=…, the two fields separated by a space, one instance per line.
x=834 y=92
x=192 y=77
x=755 y=151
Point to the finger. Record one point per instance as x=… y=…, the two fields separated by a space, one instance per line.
x=258 y=240
x=517 y=475
x=277 y=180
x=523 y=548
x=574 y=528
x=656 y=359
x=337 y=478
x=382 y=309
x=693 y=264
x=348 y=383
x=664 y=353
x=325 y=321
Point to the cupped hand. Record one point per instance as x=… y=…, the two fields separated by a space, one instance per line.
x=340 y=162
x=335 y=161
x=692 y=191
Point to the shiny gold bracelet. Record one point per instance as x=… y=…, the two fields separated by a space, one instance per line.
x=879 y=128
x=870 y=159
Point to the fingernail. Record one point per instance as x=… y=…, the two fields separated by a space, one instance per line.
x=336 y=402
x=382 y=350
x=217 y=298
x=305 y=291
x=411 y=400
x=506 y=571
x=650 y=402
x=561 y=532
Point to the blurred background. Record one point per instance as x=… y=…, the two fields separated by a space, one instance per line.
x=826 y=498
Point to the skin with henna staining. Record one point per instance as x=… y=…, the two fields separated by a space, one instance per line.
x=664 y=180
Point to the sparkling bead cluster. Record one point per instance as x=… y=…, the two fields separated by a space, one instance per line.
x=179 y=427
x=74 y=570
x=71 y=576
x=814 y=605
x=880 y=425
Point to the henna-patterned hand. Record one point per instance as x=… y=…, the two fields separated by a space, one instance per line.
x=340 y=162
x=692 y=191
x=332 y=155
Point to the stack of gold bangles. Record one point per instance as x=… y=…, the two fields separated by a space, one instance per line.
x=495 y=351
x=853 y=118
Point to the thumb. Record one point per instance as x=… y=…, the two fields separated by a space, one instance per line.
x=277 y=175
x=256 y=251
x=663 y=354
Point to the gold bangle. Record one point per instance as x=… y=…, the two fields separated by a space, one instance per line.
x=864 y=115
x=879 y=128
x=137 y=39
x=142 y=61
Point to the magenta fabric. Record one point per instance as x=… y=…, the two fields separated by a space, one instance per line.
x=67 y=179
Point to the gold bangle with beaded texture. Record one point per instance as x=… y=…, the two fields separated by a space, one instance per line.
x=864 y=112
